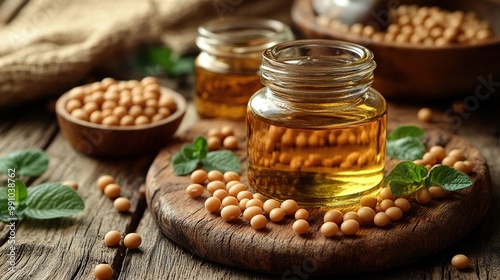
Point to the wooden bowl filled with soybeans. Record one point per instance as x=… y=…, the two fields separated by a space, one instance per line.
x=120 y=118
x=422 y=51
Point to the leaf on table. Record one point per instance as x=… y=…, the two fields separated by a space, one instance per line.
x=52 y=200
x=25 y=163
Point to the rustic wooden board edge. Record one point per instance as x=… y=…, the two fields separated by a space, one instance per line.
x=277 y=249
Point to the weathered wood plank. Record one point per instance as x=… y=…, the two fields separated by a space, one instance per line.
x=27 y=128
x=72 y=247
x=160 y=258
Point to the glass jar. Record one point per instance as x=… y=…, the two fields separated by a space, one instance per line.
x=317 y=130
x=227 y=67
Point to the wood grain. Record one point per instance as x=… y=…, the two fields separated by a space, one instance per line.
x=69 y=248
x=65 y=250
x=424 y=231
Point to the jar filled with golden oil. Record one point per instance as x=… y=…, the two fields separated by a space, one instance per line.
x=227 y=68
x=317 y=130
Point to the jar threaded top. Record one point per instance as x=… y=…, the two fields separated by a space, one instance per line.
x=317 y=71
x=241 y=36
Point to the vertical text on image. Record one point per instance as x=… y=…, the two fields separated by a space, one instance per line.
x=11 y=202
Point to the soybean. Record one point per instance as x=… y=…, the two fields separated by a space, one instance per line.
x=122 y=204
x=104 y=180
x=460 y=261
x=103 y=271
x=212 y=204
x=251 y=211
x=194 y=190
x=258 y=221
x=334 y=216
x=300 y=226
x=269 y=205
x=112 y=238
x=230 y=213
x=290 y=206
x=132 y=240
x=112 y=191
x=277 y=214
x=199 y=176
x=349 y=227
x=329 y=229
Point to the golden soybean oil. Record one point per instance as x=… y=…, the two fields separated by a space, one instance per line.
x=228 y=65
x=224 y=95
x=321 y=148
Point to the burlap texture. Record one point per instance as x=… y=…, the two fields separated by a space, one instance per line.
x=51 y=45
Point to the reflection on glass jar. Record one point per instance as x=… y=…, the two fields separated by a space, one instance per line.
x=227 y=68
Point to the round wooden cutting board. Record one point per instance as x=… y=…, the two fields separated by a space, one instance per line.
x=423 y=231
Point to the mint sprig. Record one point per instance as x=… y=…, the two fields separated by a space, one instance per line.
x=196 y=155
x=407 y=177
x=45 y=201
x=405 y=143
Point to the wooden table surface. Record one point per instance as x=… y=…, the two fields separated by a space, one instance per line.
x=70 y=248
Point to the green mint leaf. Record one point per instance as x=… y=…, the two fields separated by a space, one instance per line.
x=406 y=148
x=405 y=178
x=403 y=131
x=196 y=150
x=183 y=165
x=447 y=178
x=25 y=163
x=162 y=60
x=52 y=200
x=222 y=160
x=190 y=157
x=201 y=146
x=189 y=152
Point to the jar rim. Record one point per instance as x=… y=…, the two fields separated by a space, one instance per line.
x=241 y=35
x=359 y=57
x=330 y=69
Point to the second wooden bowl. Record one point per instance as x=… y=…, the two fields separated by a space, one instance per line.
x=417 y=72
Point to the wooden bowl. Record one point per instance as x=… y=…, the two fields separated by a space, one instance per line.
x=119 y=141
x=417 y=72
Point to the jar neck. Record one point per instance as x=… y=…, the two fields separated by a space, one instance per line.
x=317 y=74
x=241 y=37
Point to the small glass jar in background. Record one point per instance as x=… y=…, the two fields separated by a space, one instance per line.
x=227 y=68
x=317 y=130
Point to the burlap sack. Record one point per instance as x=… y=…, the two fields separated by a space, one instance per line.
x=51 y=45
